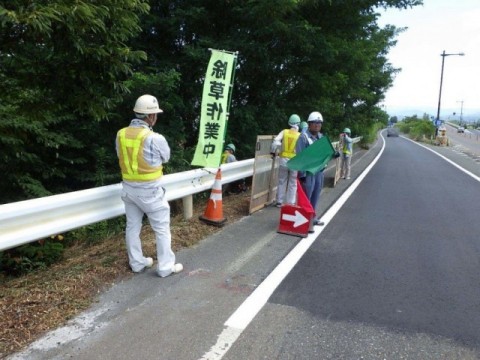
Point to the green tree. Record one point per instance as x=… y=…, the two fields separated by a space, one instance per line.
x=294 y=57
x=62 y=70
x=70 y=73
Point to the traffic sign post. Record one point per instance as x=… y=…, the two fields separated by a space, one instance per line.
x=295 y=220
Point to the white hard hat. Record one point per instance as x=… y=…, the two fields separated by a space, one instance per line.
x=147 y=104
x=315 y=116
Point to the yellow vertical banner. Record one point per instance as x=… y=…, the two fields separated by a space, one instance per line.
x=215 y=109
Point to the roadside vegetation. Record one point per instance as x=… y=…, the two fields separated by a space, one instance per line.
x=369 y=136
x=417 y=129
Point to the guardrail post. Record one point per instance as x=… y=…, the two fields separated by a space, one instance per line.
x=187 y=202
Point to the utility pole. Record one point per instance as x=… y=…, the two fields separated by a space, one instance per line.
x=461 y=111
x=443 y=54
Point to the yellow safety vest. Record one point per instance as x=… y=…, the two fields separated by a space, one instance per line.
x=133 y=165
x=289 y=141
x=346 y=147
x=225 y=155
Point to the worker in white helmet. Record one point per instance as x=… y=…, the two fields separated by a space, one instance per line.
x=142 y=153
x=311 y=184
x=284 y=143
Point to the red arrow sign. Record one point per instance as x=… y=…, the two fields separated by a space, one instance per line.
x=294 y=220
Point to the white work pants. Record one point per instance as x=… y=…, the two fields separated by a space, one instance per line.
x=156 y=207
x=346 y=161
x=287 y=183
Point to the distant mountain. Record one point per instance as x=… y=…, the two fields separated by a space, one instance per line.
x=470 y=115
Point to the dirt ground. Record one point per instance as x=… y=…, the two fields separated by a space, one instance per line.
x=43 y=300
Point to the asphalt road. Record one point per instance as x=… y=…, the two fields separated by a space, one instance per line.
x=394 y=274
x=467 y=143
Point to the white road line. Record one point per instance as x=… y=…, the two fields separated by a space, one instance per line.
x=247 y=311
x=446 y=159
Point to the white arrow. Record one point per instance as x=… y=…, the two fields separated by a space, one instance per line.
x=298 y=219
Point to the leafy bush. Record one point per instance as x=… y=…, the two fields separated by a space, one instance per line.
x=43 y=253
x=403 y=127
x=370 y=134
x=417 y=128
x=29 y=257
x=421 y=129
x=95 y=233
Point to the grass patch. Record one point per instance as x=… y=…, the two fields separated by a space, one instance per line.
x=37 y=302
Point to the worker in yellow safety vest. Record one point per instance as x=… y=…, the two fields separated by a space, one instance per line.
x=284 y=145
x=142 y=153
x=228 y=155
x=346 y=143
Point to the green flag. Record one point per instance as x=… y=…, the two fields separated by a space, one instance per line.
x=215 y=109
x=313 y=158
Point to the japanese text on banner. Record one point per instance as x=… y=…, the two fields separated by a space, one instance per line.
x=215 y=108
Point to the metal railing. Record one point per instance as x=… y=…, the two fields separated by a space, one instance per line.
x=30 y=220
x=26 y=221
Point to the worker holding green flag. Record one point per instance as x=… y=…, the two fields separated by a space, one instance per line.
x=314 y=151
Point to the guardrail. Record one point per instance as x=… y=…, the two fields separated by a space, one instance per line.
x=26 y=221
x=30 y=220
x=467 y=133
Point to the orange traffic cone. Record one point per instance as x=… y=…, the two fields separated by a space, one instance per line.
x=214 y=212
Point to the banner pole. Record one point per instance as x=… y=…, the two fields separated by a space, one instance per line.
x=229 y=101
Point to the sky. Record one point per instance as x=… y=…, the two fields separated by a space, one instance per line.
x=450 y=25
